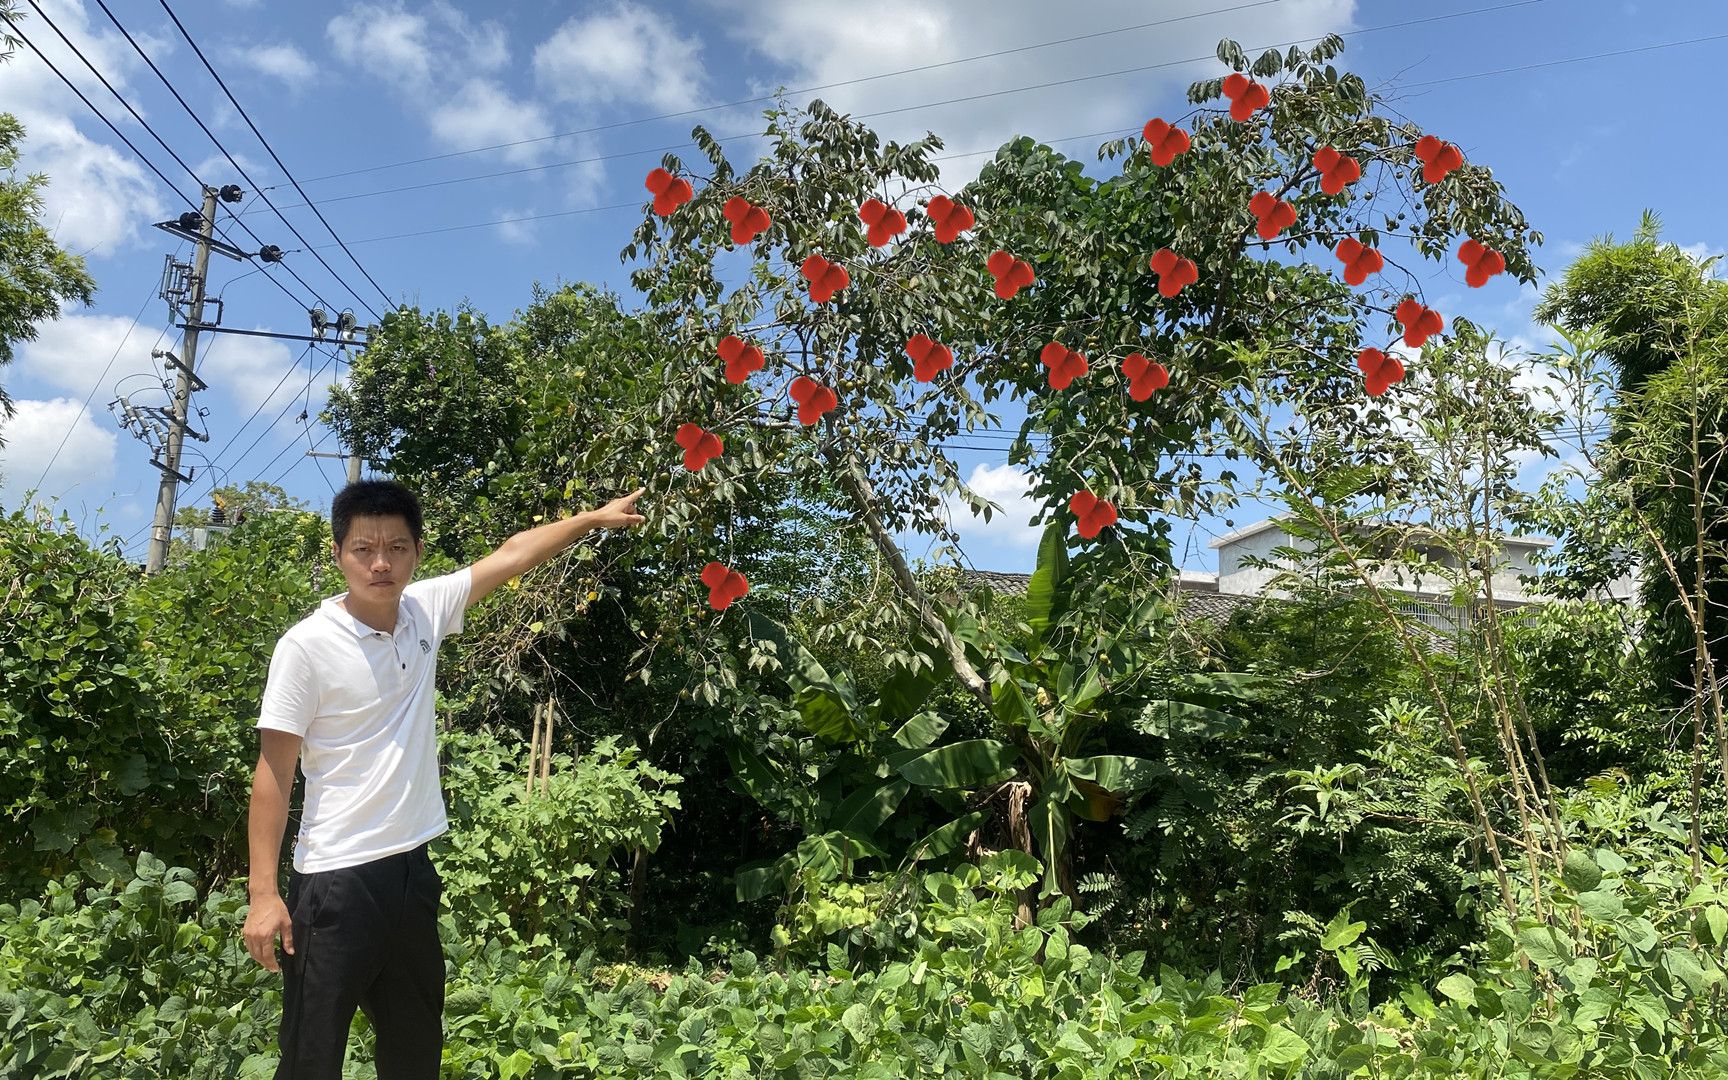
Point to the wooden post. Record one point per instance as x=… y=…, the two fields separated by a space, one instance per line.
x=533 y=753
x=546 y=750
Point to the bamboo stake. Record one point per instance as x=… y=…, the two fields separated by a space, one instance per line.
x=546 y=750
x=533 y=753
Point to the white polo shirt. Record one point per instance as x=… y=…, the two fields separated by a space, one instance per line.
x=361 y=701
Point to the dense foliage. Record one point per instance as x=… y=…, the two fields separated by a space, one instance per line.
x=872 y=821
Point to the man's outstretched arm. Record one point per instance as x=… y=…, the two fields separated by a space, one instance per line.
x=531 y=547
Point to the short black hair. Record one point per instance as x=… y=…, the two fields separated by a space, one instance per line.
x=373 y=498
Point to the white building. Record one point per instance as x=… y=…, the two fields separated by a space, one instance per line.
x=1243 y=570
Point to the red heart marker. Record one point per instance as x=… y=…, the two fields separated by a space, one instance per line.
x=1438 y=158
x=1419 y=322
x=885 y=222
x=700 y=447
x=813 y=400
x=1359 y=260
x=1064 y=363
x=1164 y=141
x=1336 y=169
x=929 y=358
x=1480 y=263
x=724 y=586
x=1273 y=214
x=949 y=217
x=748 y=222
x=741 y=359
x=825 y=278
x=1381 y=369
x=1011 y=274
x=1093 y=513
x=670 y=192
x=1247 y=97
x=1144 y=376
x=1173 y=271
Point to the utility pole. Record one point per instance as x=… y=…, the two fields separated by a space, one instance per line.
x=163 y=526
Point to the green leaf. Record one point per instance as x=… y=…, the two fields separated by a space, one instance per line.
x=864 y=811
x=1166 y=718
x=1118 y=773
x=1545 y=947
x=973 y=763
x=1283 y=1047
x=942 y=840
x=921 y=730
x=1716 y=921
x=1581 y=872
x=1047 y=592
x=1341 y=932
x=1459 y=987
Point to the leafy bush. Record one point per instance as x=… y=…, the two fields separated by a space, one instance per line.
x=82 y=741
x=538 y=869
x=133 y=977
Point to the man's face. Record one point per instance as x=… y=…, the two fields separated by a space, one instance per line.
x=378 y=558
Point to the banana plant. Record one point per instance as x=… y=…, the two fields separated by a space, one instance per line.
x=844 y=805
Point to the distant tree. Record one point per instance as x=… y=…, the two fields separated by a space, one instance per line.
x=36 y=275
x=1662 y=320
x=254 y=498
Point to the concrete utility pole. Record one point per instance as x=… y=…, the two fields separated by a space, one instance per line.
x=163 y=526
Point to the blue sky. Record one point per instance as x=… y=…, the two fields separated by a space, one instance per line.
x=345 y=91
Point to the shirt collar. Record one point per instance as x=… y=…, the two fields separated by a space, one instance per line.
x=332 y=607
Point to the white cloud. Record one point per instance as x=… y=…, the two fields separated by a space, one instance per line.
x=412 y=49
x=97 y=194
x=482 y=113
x=279 y=61
x=515 y=232
x=32 y=437
x=1008 y=535
x=72 y=351
x=817 y=42
x=627 y=55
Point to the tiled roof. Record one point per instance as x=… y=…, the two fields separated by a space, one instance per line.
x=1195 y=604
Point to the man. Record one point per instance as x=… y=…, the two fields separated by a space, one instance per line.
x=349 y=695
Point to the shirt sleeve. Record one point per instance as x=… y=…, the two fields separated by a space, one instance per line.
x=290 y=691
x=445 y=599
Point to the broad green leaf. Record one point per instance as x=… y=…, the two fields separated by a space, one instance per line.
x=1283 y=1047
x=756 y=880
x=1118 y=773
x=946 y=838
x=1581 y=872
x=1459 y=987
x=1341 y=932
x=921 y=730
x=972 y=763
x=1052 y=825
x=1047 y=591
x=1167 y=718
x=1545 y=947
x=864 y=811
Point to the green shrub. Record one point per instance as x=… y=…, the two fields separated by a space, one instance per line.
x=83 y=745
x=538 y=869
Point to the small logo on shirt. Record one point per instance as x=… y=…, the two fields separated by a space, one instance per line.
x=425 y=647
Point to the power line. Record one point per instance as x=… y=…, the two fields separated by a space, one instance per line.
x=97 y=385
x=273 y=156
x=233 y=467
x=100 y=115
x=974 y=153
x=237 y=167
x=804 y=90
x=911 y=108
x=1571 y=60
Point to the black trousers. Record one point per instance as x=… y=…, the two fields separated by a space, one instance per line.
x=364 y=936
